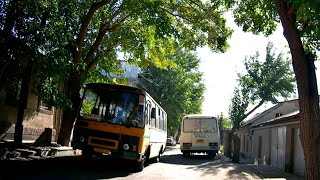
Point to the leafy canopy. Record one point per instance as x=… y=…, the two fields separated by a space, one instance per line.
x=261 y=17
x=178 y=89
x=263 y=82
x=85 y=37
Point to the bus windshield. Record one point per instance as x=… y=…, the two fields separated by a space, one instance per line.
x=117 y=107
x=200 y=125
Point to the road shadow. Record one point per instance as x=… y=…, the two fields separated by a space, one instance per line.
x=73 y=167
x=208 y=166
x=191 y=160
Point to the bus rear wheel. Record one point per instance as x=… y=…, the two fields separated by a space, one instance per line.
x=212 y=155
x=186 y=154
x=158 y=157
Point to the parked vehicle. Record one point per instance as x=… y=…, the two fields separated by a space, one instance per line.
x=171 y=141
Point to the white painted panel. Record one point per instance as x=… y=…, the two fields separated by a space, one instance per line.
x=281 y=147
x=278 y=144
x=158 y=138
x=298 y=156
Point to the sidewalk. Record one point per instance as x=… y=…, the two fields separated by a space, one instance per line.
x=267 y=171
x=29 y=152
x=270 y=172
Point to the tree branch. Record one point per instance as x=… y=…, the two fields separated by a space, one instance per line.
x=252 y=110
x=93 y=63
x=176 y=15
x=84 y=27
x=102 y=31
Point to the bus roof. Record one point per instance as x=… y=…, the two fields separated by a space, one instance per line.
x=115 y=87
x=199 y=116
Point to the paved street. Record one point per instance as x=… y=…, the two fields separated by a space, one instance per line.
x=172 y=166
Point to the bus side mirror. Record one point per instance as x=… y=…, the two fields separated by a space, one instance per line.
x=153 y=113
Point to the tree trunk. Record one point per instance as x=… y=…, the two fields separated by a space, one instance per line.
x=227 y=143
x=72 y=90
x=23 y=101
x=236 y=148
x=178 y=134
x=307 y=89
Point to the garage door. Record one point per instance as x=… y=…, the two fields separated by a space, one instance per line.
x=278 y=144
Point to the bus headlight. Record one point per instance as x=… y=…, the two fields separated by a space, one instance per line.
x=81 y=139
x=125 y=147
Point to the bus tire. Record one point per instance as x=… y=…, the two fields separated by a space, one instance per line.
x=158 y=157
x=212 y=155
x=86 y=154
x=140 y=165
x=147 y=157
x=186 y=154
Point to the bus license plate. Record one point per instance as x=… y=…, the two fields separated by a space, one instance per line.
x=200 y=141
x=100 y=150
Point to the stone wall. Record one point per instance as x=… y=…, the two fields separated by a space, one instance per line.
x=36 y=119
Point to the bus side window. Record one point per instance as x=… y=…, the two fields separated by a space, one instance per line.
x=153 y=117
x=153 y=113
x=147 y=112
x=161 y=121
x=157 y=118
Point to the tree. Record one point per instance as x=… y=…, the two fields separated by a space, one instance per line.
x=224 y=124
x=80 y=39
x=263 y=82
x=178 y=89
x=300 y=22
x=21 y=42
x=145 y=31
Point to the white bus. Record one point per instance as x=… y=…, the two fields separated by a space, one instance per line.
x=199 y=134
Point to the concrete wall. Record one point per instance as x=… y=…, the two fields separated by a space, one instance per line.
x=265 y=146
x=285 y=108
x=245 y=142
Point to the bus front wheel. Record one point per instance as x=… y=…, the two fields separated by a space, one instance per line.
x=140 y=166
x=86 y=154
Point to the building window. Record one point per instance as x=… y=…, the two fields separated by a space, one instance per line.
x=278 y=114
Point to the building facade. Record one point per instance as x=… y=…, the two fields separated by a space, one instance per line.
x=272 y=137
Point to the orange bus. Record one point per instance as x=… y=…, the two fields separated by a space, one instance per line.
x=120 y=121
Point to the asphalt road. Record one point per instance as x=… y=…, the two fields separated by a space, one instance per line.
x=171 y=166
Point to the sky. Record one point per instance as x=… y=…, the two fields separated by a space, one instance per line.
x=220 y=70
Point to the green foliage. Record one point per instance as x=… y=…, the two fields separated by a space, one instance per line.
x=87 y=107
x=256 y=16
x=263 y=82
x=269 y=79
x=238 y=107
x=224 y=122
x=49 y=94
x=261 y=17
x=85 y=37
x=179 y=89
